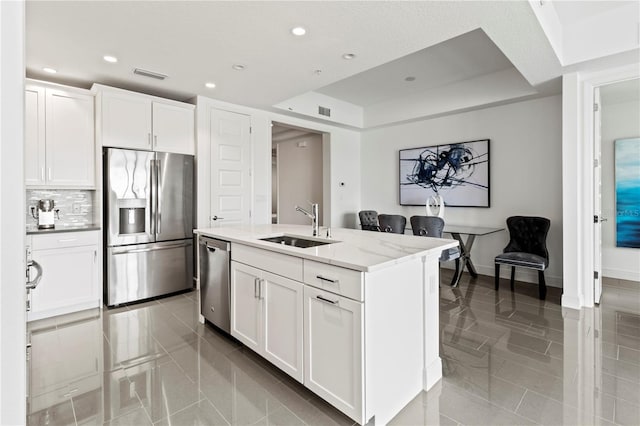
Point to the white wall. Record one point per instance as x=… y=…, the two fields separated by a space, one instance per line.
x=620 y=120
x=341 y=159
x=299 y=178
x=341 y=112
x=526 y=165
x=12 y=256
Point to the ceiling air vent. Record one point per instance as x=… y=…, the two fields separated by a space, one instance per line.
x=324 y=111
x=150 y=74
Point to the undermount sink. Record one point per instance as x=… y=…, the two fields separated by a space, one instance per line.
x=294 y=241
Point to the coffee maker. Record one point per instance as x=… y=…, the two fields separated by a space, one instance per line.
x=45 y=214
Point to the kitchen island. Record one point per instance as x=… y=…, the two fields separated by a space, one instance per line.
x=354 y=319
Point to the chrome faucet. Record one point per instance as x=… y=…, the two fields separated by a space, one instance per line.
x=313 y=216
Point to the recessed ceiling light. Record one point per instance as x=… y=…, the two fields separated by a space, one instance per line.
x=348 y=56
x=210 y=85
x=298 y=31
x=238 y=67
x=111 y=59
x=409 y=79
x=49 y=70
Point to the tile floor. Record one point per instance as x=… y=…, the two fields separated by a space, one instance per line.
x=507 y=359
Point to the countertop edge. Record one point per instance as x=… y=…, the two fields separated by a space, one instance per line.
x=299 y=252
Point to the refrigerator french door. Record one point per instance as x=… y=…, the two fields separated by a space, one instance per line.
x=148 y=199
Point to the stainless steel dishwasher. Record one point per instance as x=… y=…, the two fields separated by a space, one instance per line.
x=215 y=296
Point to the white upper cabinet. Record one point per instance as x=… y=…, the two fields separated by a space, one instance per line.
x=125 y=120
x=34 y=148
x=59 y=137
x=137 y=121
x=173 y=129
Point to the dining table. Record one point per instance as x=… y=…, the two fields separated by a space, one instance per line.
x=471 y=231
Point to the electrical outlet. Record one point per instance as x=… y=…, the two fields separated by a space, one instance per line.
x=76 y=208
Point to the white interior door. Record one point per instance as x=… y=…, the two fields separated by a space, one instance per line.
x=230 y=168
x=597 y=199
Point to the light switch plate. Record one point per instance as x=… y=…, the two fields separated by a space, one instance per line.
x=76 y=208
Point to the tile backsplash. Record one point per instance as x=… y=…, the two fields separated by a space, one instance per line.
x=67 y=200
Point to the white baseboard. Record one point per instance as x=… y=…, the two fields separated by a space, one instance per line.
x=571 y=302
x=432 y=374
x=621 y=274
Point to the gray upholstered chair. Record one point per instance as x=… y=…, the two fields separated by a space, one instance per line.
x=527 y=248
x=392 y=223
x=369 y=220
x=432 y=226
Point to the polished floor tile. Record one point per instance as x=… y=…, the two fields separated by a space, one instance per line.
x=508 y=358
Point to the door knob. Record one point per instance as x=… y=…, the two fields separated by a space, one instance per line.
x=217 y=218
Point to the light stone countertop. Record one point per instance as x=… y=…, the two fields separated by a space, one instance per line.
x=354 y=249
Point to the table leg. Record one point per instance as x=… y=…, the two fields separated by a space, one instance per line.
x=465 y=258
x=455 y=280
x=468 y=262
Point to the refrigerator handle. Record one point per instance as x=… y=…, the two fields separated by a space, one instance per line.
x=152 y=198
x=159 y=195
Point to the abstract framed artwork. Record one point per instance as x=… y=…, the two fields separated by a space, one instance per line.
x=459 y=172
x=627 y=178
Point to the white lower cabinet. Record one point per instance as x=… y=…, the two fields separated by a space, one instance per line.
x=267 y=315
x=70 y=273
x=333 y=350
x=246 y=307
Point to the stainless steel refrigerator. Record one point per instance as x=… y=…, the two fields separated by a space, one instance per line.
x=148 y=202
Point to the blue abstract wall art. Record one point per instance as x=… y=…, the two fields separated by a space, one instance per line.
x=458 y=172
x=627 y=171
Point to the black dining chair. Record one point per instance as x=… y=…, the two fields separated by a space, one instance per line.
x=369 y=220
x=527 y=248
x=432 y=226
x=392 y=223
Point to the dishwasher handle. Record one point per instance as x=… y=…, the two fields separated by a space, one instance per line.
x=212 y=244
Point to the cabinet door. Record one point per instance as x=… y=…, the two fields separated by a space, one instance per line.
x=69 y=278
x=70 y=139
x=125 y=120
x=173 y=129
x=34 y=142
x=333 y=349
x=282 y=342
x=246 y=307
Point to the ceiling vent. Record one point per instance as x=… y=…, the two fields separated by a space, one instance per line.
x=324 y=111
x=150 y=74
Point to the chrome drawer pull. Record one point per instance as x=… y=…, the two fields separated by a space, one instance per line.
x=320 y=277
x=333 y=302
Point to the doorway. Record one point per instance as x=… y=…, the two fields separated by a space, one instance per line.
x=297 y=173
x=615 y=122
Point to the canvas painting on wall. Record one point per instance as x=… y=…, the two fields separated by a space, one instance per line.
x=627 y=170
x=458 y=172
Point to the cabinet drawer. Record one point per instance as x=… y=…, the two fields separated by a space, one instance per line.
x=342 y=281
x=280 y=264
x=65 y=239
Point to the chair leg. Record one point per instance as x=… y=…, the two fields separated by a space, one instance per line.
x=542 y=284
x=497 y=277
x=513 y=276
